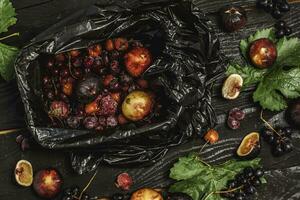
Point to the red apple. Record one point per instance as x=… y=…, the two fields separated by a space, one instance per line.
x=47 y=183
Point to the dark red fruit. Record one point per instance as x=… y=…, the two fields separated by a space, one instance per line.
x=114 y=66
x=212 y=136
x=90 y=122
x=95 y=50
x=111 y=121
x=233 y=18
x=75 y=53
x=60 y=57
x=47 y=183
x=237 y=114
x=137 y=61
x=116 y=96
x=74 y=121
x=46 y=80
x=50 y=95
x=88 y=62
x=78 y=73
x=50 y=64
x=124 y=181
x=233 y=123
x=108 y=106
x=142 y=83
x=122 y=120
x=121 y=44
x=67 y=86
x=65 y=72
x=109 y=45
x=263 y=53
x=108 y=79
x=88 y=88
x=77 y=62
x=59 y=109
x=55 y=72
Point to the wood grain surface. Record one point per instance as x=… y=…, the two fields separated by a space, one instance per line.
x=34 y=16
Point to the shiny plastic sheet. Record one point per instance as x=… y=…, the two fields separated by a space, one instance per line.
x=187 y=63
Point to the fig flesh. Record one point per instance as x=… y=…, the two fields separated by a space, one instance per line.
x=232 y=86
x=146 y=194
x=24 y=173
x=250 y=146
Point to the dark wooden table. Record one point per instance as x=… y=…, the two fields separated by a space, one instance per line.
x=34 y=16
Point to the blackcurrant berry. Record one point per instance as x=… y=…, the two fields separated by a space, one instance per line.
x=259 y=172
x=280 y=24
x=276 y=14
x=284 y=7
x=280 y=33
x=288 y=31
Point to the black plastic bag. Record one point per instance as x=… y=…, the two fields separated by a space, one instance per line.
x=186 y=65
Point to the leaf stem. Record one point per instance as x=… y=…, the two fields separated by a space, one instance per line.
x=88 y=185
x=9 y=36
x=269 y=125
x=222 y=192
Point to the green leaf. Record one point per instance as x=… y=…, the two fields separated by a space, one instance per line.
x=288 y=52
x=7 y=15
x=249 y=74
x=199 y=180
x=276 y=85
x=264 y=33
x=7 y=58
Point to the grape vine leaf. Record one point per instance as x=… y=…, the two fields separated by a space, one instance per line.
x=7 y=15
x=7 y=53
x=278 y=82
x=250 y=75
x=198 y=180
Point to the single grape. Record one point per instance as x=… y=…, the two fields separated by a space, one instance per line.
x=288 y=131
x=46 y=80
x=50 y=64
x=55 y=72
x=287 y=147
x=278 y=150
x=85 y=197
x=68 y=192
x=114 y=65
x=76 y=62
x=276 y=13
x=280 y=33
x=88 y=62
x=67 y=198
x=112 y=121
x=280 y=24
x=73 y=122
x=262 y=3
x=259 y=172
x=114 y=55
x=118 y=196
x=233 y=123
x=78 y=73
x=250 y=190
x=50 y=95
x=288 y=31
x=271 y=139
x=284 y=7
x=256 y=182
x=269 y=7
x=65 y=72
x=248 y=172
x=90 y=122
x=232 y=184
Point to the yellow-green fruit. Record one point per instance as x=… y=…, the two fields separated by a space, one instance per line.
x=137 y=105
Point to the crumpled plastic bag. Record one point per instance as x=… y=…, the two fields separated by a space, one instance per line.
x=187 y=63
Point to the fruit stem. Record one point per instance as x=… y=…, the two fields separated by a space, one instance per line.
x=88 y=185
x=70 y=69
x=269 y=125
x=203 y=147
x=11 y=35
x=222 y=192
x=203 y=162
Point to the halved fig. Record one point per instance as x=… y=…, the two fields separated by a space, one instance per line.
x=250 y=146
x=24 y=173
x=146 y=194
x=232 y=86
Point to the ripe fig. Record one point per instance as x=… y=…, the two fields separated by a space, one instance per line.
x=137 y=61
x=88 y=88
x=263 y=53
x=249 y=147
x=232 y=86
x=124 y=181
x=24 y=173
x=47 y=183
x=233 y=18
x=121 y=44
x=137 y=105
